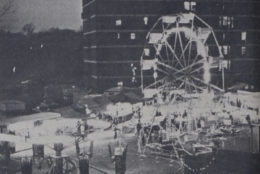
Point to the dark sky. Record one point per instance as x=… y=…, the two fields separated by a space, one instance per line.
x=44 y=14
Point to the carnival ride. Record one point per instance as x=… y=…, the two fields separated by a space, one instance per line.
x=179 y=54
x=51 y=146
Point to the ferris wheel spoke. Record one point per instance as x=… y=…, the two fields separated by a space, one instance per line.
x=199 y=80
x=155 y=83
x=190 y=66
x=199 y=76
x=181 y=44
x=159 y=56
x=192 y=27
x=181 y=85
x=189 y=54
x=185 y=85
x=167 y=53
x=196 y=70
x=163 y=35
x=153 y=27
x=173 y=52
x=196 y=86
x=190 y=87
x=196 y=58
x=165 y=85
x=179 y=78
x=167 y=81
x=168 y=66
x=162 y=71
x=186 y=46
x=163 y=26
x=175 y=41
x=210 y=85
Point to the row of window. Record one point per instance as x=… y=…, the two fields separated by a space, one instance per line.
x=226 y=50
x=191 y=6
x=132 y=36
x=224 y=21
x=243 y=36
x=118 y=22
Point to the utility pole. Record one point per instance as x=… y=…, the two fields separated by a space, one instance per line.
x=6 y=154
x=58 y=147
x=26 y=166
x=84 y=158
x=84 y=164
x=119 y=158
x=223 y=76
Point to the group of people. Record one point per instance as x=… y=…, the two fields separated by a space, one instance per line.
x=156 y=133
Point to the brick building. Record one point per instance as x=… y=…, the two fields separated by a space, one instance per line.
x=115 y=30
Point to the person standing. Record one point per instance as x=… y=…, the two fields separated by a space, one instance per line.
x=138 y=128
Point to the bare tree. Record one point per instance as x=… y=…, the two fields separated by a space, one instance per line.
x=28 y=29
x=6 y=7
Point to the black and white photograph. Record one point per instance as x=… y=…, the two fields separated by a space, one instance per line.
x=129 y=86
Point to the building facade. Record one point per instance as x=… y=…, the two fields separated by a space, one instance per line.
x=114 y=34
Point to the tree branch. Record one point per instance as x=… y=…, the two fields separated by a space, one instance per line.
x=6 y=7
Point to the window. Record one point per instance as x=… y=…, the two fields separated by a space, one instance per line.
x=226 y=21
x=145 y=20
x=220 y=20
x=224 y=36
x=190 y=5
x=243 y=36
x=232 y=22
x=120 y=84
x=187 y=5
x=132 y=36
x=193 y=6
x=118 y=35
x=147 y=52
x=225 y=49
x=223 y=7
x=118 y=22
x=243 y=50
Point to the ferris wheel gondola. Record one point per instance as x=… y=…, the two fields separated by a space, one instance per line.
x=179 y=53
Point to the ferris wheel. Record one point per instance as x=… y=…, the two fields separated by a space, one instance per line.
x=179 y=54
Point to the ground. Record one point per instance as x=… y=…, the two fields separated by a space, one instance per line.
x=46 y=134
x=66 y=119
